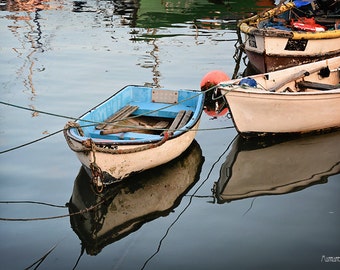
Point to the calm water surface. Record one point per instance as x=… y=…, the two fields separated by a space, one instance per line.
x=224 y=204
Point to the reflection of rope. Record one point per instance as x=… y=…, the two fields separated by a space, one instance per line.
x=85 y=210
x=250 y=207
x=39 y=261
x=187 y=206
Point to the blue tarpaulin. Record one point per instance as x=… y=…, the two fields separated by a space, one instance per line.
x=300 y=3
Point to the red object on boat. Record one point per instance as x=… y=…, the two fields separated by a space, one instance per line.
x=213 y=78
x=307 y=24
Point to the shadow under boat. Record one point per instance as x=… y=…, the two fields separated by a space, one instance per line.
x=125 y=207
x=272 y=168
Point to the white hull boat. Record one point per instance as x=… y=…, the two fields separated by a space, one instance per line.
x=300 y=99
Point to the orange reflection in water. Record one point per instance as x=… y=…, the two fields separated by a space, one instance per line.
x=265 y=3
x=24 y=23
x=29 y=6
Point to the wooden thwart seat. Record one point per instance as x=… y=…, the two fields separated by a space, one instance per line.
x=136 y=126
x=181 y=119
x=119 y=115
x=316 y=86
x=185 y=119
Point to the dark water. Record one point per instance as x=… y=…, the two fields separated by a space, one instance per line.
x=224 y=204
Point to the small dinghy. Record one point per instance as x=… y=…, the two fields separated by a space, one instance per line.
x=136 y=129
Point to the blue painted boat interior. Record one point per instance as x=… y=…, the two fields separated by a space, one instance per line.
x=142 y=97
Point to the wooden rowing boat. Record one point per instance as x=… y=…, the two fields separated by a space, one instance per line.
x=124 y=208
x=299 y=99
x=290 y=35
x=136 y=129
x=273 y=168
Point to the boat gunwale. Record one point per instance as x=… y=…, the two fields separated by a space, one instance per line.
x=295 y=35
x=254 y=92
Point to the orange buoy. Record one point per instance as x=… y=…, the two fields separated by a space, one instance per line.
x=213 y=78
x=214 y=107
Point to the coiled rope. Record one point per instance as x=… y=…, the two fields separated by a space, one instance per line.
x=89 y=145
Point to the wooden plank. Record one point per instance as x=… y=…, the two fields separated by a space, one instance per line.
x=119 y=115
x=118 y=130
x=177 y=120
x=185 y=119
x=317 y=86
x=141 y=128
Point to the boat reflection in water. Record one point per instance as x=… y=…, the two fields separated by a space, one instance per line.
x=280 y=168
x=124 y=208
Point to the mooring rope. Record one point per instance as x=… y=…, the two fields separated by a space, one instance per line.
x=38 y=111
x=62 y=130
x=38 y=262
x=31 y=142
x=103 y=199
x=96 y=122
x=92 y=123
x=33 y=202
